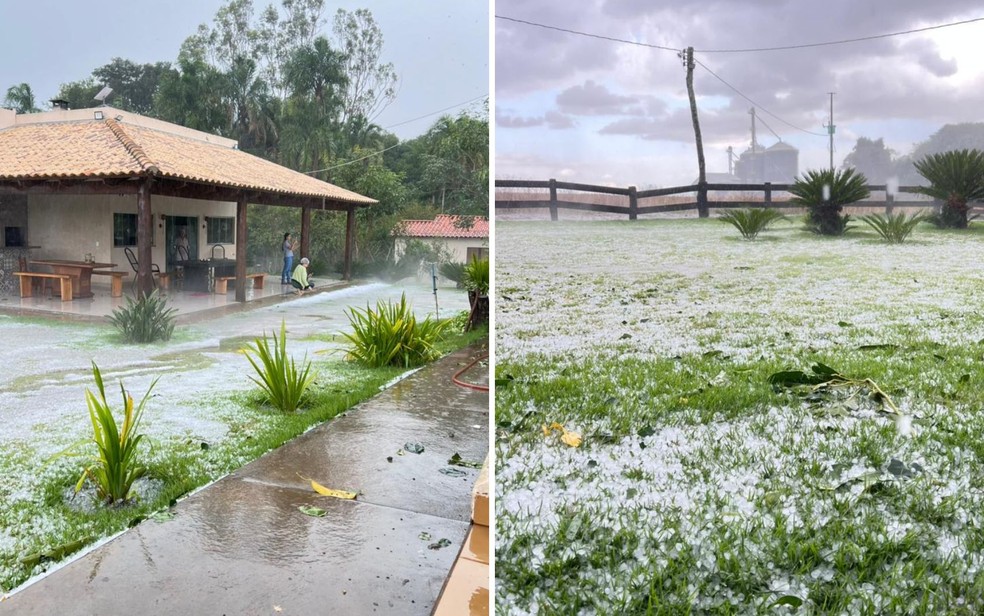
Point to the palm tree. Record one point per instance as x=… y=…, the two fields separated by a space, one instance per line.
x=955 y=178
x=21 y=99
x=825 y=193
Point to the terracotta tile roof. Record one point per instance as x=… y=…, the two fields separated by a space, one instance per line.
x=445 y=226
x=110 y=149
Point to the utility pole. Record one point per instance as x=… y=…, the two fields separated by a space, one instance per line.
x=751 y=112
x=702 y=210
x=830 y=131
x=731 y=160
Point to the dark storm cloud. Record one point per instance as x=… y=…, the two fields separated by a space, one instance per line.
x=595 y=99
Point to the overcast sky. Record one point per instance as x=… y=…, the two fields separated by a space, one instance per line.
x=440 y=48
x=596 y=111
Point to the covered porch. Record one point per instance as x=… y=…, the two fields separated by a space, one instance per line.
x=113 y=188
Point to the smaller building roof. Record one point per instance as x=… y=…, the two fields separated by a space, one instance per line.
x=446 y=226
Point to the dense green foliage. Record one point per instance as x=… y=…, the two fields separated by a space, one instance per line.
x=477 y=276
x=955 y=177
x=391 y=335
x=825 y=193
x=304 y=91
x=145 y=319
x=277 y=374
x=893 y=228
x=115 y=468
x=752 y=221
x=455 y=272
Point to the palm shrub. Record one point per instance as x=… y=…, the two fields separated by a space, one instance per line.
x=893 y=228
x=390 y=335
x=455 y=272
x=955 y=178
x=825 y=193
x=283 y=383
x=115 y=468
x=752 y=221
x=477 y=276
x=144 y=319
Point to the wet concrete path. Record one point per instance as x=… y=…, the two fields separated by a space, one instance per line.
x=241 y=546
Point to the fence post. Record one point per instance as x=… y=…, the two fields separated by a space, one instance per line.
x=553 y=199
x=889 y=201
x=768 y=194
x=633 y=204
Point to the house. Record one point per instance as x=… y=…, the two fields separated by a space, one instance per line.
x=459 y=237
x=88 y=183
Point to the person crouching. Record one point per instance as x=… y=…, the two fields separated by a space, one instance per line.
x=299 y=280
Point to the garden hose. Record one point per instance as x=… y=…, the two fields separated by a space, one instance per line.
x=456 y=381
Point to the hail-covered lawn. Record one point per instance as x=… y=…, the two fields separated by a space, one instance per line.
x=698 y=487
x=205 y=418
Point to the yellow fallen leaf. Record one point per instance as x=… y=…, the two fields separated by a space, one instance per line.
x=571 y=438
x=322 y=490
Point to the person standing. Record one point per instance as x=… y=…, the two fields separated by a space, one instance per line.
x=288 y=249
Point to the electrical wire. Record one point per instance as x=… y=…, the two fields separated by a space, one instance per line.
x=349 y=162
x=843 y=41
x=741 y=94
x=587 y=34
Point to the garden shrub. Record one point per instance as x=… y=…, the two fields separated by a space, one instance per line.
x=391 y=335
x=825 y=193
x=277 y=374
x=145 y=319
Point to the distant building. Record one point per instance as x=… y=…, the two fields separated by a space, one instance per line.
x=462 y=237
x=778 y=164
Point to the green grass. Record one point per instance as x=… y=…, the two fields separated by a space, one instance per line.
x=43 y=521
x=698 y=487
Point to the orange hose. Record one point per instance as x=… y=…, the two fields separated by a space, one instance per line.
x=465 y=369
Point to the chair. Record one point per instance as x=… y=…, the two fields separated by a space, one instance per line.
x=181 y=254
x=220 y=246
x=132 y=258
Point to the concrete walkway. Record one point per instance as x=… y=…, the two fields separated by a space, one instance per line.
x=241 y=546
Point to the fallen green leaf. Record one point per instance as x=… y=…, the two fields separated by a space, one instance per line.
x=314 y=512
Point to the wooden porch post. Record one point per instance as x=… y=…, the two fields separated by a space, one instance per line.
x=241 y=249
x=349 y=242
x=145 y=237
x=305 y=233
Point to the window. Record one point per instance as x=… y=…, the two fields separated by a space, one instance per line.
x=124 y=230
x=478 y=253
x=221 y=230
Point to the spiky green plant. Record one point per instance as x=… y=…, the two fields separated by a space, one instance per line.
x=477 y=276
x=752 y=221
x=391 y=335
x=825 y=193
x=115 y=468
x=144 y=319
x=283 y=383
x=955 y=177
x=455 y=272
x=893 y=228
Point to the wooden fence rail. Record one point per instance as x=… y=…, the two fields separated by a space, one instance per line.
x=633 y=210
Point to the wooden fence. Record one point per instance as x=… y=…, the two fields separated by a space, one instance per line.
x=633 y=209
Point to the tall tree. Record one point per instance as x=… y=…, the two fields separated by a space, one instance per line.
x=194 y=96
x=871 y=158
x=20 y=98
x=371 y=84
x=134 y=85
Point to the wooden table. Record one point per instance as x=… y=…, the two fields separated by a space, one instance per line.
x=80 y=271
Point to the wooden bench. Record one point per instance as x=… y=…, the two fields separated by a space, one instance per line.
x=117 y=284
x=222 y=282
x=26 y=288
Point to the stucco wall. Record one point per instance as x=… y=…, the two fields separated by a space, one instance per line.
x=71 y=226
x=457 y=246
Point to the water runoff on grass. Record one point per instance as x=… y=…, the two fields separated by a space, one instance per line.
x=698 y=487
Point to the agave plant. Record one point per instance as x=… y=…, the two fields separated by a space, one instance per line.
x=476 y=277
x=752 y=221
x=455 y=272
x=955 y=177
x=825 y=193
x=281 y=380
x=893 y=228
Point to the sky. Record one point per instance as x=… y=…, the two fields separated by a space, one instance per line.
x=440 y=48
x=588 y=110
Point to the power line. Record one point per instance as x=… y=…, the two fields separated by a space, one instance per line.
x=471 y=100
x=349 y=162
x=741 y=94
x=843 y=41
x=587 y=34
